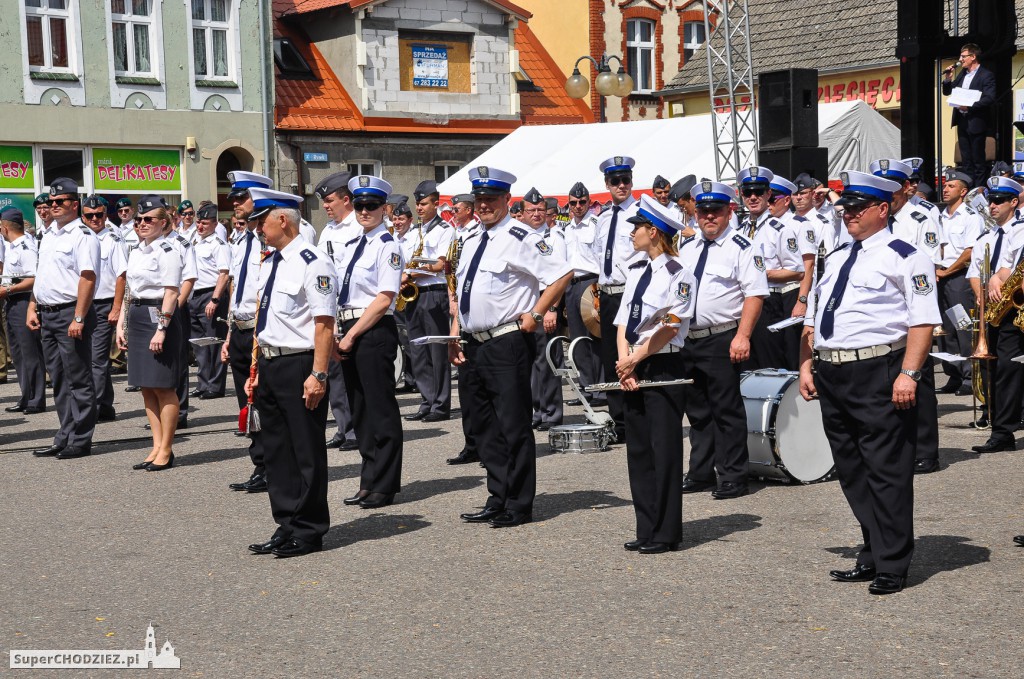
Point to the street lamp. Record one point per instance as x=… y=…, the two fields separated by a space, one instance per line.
x=606 y=83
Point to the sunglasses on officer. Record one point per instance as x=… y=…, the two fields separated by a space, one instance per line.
x=575 y=203
x=93 y=215
x=58 y=202
x=853 y=210
x=619 y=179
x=1000 y=198
x=188 y=213
x=753 y=191
x=367 y=205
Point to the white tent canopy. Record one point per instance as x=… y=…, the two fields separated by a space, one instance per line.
x=554 y=157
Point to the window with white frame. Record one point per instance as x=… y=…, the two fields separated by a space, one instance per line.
x=640 y=53
x=444 y=170
x=358 y=167
x=212 y=31
x=131 y=31
x=49 y=34
x=694 y=36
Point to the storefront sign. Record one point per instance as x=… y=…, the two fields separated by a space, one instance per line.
x=430 y=66
x=878 y=90
x=22 y=201
x=152 y=170
x=16 y=168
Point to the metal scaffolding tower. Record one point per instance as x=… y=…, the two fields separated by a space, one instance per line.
x=731 y=86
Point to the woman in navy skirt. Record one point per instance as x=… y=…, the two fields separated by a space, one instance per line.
x=148 y=329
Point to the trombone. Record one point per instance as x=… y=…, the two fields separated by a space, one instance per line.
x=982 y=385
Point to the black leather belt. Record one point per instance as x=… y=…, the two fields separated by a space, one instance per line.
x=583 y=278
x=436 y=286
x=203 y=291
x=136 y=301
x=103 y=301
x=49 y=308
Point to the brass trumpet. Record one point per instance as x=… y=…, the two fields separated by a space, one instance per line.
x=981 y=394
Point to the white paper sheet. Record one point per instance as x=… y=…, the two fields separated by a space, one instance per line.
x=961 y=96
x=433 y=339
x=788 y=323
x=205 y=341
x=948 y=358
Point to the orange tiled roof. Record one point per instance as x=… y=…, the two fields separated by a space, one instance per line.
x=551 y=105
x=285 y=7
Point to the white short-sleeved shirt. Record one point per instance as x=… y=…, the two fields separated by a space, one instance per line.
x=191 y=234
x=152 y=268
x=744 y=229
x=212 y=257
x=407 y=243
x=962 y=228
x=516 y=263
x=915 y=226
x=931 y=208
x=1013 y=243
x=113 y=263
x=307 y=231
x=782 y=245
x=579 y=242
x=622 y=252
x=831 y=233
x=734 y=270
x=378 y=268
x=891 y=288
x=21 y=257
x=305 y=287
x=336 y=234
x=244 y=305
x=555 y=237
x=189 y=270
x=437 y=239
x=63 y=255
x=671 y=285
x=991 y=239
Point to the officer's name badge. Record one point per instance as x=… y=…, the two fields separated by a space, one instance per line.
x=323 y=285
x=395 y=262
x=544 y=248
x=759 y=262
x=683 y=292
x=922 y=285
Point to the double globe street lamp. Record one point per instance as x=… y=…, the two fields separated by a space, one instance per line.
x=606 y=83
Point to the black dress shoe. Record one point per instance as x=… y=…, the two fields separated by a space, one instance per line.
x=544 y=426
x=16 y=408
x=70 y=453
x=510 y=518
x=160 y=467
x=257 y=485
x=436 y=417
x=335 y=441
x=574 y=402
x=48 y=452
x=294 y=548
x=991 y=446
x=982 y=423
x=464 y=457
x=140 y=465
x=951 y=387
x=131 y=388
x=106 y=415
x=695 y=486
x=349 y=444
x=659 y=547
x=356 y=499
x=196 y=392
x=1019 y=539
x=34 y=411
x=483 y=516
x=206 y=396
x=377 y=500
x=244 y=484
x=859 y=573
x=268 y=546
x=926 y=466
x=887 y=583
x=416 y=417
x=729 y=491
x=634 y=545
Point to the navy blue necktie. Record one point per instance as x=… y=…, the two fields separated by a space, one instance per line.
x=699 y=271
x=637 y=305
x=245 y=268
x=610 y=248
x=828 y=317
x=892 y=223
x=467 y=287
x=261 y=322
x=343 y=296
x=999 y=246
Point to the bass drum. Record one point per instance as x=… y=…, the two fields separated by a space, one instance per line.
x=785 y=434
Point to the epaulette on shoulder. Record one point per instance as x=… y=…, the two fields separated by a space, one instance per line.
x=687 y=240
x=638 y=265
x=823 y=218
x=166 y=247
x=673 y=267
x=386 y=237
x=800 y=218
x=741 y=241
x=352 y=241
x=775 y=224
x=926 y=204
x=518 y=232
x=219 y=240
x=902 y=247
x=969 y=210
x=919 y=216
x=308 y=255
x=85 y=229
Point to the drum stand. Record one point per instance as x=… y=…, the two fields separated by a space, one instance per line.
x=571 y=374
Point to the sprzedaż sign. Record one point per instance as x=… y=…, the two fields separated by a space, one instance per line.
x=153 y=170
x=430 y=66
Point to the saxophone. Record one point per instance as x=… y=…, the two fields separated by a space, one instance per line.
x=410 y=292
x=1010 y=296
x=451 y=265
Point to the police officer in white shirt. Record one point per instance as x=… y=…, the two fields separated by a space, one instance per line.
x=500 y=271
x=237 y=351
x=908 y=222
x=872 y=328
x=915 y=183
x=186 y=226
x=209 y=302
x=295 y=330
x=401 y=221
x=428 y=315
x=370 y=269
x=963 y=227
x=189 y=273
x=755 y=190
x=730 y=291
x=20 y=260
x=614 y=252
x=656 y=285
x=69 y=258
x=41 y=205
x=110 y=284
x=126 y=215
x=1008 y=375
x=579 y=239
x=686 y=212
x=340 y=229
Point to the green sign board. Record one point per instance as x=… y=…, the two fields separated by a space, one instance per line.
x=151 y=170
x=16 y=168
x=22 y=201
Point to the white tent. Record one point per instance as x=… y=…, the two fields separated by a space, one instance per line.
x=554 y=157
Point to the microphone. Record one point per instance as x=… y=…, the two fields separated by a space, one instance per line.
x=952 y=68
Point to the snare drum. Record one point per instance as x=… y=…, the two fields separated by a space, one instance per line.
x=785 y=434
x=579 y=438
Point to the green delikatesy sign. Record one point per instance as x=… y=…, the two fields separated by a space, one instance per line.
x=22 y=201
x=16 y=168
x=153 y=170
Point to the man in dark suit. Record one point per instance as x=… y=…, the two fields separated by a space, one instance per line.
x=972 y=123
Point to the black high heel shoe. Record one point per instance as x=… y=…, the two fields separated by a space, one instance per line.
x=142 y=465
x=160 y=467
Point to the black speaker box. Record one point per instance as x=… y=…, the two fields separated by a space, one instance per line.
x=787 y=108
x=792 y=161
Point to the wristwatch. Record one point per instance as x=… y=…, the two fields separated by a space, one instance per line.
x=320 y=376
x=79 y=319
x=912 y=374
x=537 y=317
x=802 y=299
